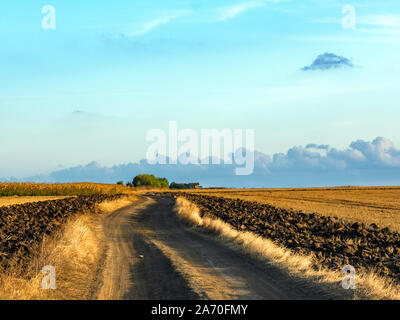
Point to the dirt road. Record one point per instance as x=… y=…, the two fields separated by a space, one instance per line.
x=152 y=255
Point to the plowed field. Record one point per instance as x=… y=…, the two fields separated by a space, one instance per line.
x=23 y=226
x=334 y=242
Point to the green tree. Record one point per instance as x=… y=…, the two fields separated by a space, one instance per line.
x=149 y=180
x=175 y=185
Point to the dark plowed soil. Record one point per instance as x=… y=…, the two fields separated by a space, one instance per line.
x=24 y=226
x=333 y=242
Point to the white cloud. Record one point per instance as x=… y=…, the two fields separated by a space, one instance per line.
x=153 y=24
x=380 y=151
x=367 y=155
x=233 y=11
x=150 y=26
x=382 y=21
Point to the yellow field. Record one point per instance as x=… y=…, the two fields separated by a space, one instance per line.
x=379 y=205
x=60 y=189
x=9 y=201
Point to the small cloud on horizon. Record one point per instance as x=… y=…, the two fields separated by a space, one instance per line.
x=328 y=61
x=85 y=118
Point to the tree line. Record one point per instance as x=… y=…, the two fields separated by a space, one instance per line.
x=150 y=180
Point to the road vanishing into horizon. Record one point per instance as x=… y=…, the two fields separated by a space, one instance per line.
x=154 y=255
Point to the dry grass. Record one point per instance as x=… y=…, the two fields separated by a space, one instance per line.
x=368 y=284
x=110 y=206
x=59 y=189
x=380 y=205
x=9 y=201
x=76 y=253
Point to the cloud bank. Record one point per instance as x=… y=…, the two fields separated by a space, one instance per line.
x=363 y=163
x=328 y=61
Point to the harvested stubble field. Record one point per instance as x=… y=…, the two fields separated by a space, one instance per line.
x=334 y=242
x=59 y=189
x=378 y=205
x=10 y=201
x=22 y=227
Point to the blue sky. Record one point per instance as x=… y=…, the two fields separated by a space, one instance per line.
x=130 y=66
